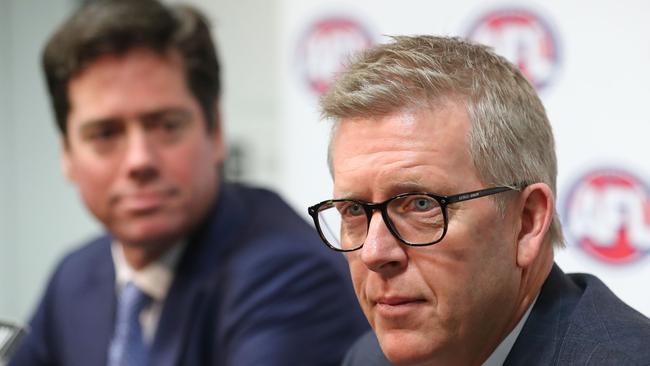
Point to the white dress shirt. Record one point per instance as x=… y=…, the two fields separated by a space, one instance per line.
x=154 y=280
x=498 y=357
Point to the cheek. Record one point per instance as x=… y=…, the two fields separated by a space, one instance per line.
x=190 y=164
x=94 y=181
x=471 y=270
x=93 y=178
x=447 y=271
x=359 y=273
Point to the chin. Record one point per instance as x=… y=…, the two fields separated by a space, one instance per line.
x=150 y=233
x=406 y=349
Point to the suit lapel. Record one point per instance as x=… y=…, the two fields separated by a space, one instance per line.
x=544 y=331
x=178 y=315
x=196 y=274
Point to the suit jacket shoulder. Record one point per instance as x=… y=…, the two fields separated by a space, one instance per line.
x=254 y=286
x=577 y=320
x=81 y=287
x=257 y=287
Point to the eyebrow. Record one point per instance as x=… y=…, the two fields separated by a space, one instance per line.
x=95 y=123
x=407 y=186
x=154 y=115
x=414 y=185
x=146 y=116
x=347 y=195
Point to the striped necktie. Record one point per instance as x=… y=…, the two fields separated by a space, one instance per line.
x=127 y=347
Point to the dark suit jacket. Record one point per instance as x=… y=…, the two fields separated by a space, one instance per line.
x=576 y=320
x=254 y=287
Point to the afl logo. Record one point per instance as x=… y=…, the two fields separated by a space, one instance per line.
x=524 y=38
x=326 y=46
x=607 y=213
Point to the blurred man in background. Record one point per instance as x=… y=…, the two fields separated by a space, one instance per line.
x=444 y=173
x=192 y=270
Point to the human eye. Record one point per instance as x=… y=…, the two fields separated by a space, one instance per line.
x=351 y=209
x=423 y=203
x=171 y=124
x=101 y=132
x=167 y=126
x=417 y=211
x=102 y=136
x=418 y=204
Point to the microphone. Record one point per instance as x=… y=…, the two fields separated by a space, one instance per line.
x=10 y=336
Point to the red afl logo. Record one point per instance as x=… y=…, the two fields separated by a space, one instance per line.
x=607 y=213
x=524 y=38
x=326 y=46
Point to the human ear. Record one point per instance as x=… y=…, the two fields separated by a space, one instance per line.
x=536 y=214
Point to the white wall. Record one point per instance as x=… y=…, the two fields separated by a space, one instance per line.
x=39 y=211
x=246 y=35
x=4 y=155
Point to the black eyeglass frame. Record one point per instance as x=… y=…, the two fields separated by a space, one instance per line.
x=369 y=209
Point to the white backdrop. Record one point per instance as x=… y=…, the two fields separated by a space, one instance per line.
x=596 y=99
x=589 y=61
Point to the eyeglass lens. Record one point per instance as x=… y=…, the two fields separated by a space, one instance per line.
x=417 y=219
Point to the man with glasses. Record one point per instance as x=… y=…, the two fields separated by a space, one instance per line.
x=444 y=176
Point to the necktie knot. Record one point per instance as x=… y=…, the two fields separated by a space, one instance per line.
x=127 y=347
x=133 y=300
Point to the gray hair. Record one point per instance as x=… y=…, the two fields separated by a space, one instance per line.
x=511 y=140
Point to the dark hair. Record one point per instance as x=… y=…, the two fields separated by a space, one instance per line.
x=115 y=27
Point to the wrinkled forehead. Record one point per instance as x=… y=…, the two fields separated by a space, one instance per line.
x=425 y=146
x=410 y=115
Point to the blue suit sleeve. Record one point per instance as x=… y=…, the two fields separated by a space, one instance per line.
x=296 y=309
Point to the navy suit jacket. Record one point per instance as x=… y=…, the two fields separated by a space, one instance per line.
x=576 y=320
x=254 y=287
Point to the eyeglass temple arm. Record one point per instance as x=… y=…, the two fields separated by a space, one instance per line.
x=481 y=193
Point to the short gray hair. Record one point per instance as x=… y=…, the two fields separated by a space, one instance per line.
x=511 y=140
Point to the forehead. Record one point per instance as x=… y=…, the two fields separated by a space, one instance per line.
x=140 y=60
x=117 y=85
x=424 y=149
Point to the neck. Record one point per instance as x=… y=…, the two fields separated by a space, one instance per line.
x=531 y=280
x=140 y=256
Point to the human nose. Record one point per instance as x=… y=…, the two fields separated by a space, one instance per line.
x=141 y=157
x=382 y=252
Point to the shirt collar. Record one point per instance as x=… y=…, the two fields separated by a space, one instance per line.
x=498 y=357
x=154 y=279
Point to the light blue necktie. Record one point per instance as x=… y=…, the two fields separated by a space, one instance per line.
x=127 y=347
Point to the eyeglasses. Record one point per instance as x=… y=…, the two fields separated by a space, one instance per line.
x=415 y=219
